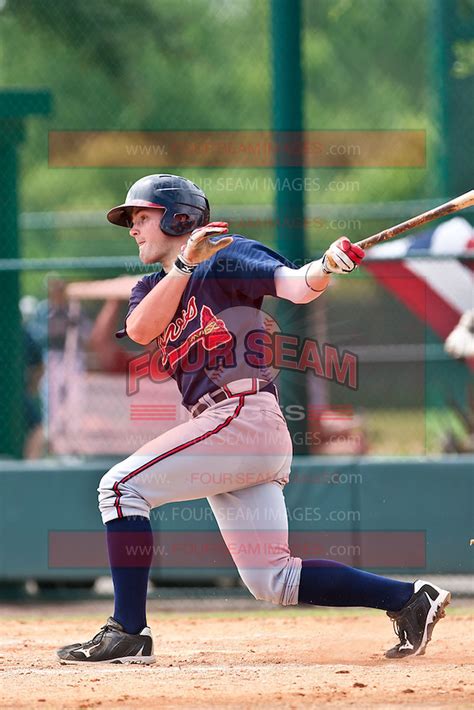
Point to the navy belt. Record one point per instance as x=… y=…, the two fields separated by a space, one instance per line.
x=224 y=393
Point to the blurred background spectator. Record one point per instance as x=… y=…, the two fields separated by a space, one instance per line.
x=34 y=445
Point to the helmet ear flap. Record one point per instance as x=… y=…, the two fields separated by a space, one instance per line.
x=183 y=223
x=178 y=223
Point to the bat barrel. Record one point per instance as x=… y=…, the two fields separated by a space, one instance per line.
x=458 y=203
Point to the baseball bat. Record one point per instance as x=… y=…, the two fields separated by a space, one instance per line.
x=458 y=203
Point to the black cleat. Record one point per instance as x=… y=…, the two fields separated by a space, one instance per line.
x=414 y=623
x=111 y=645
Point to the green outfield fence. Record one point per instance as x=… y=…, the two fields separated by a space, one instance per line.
x=405 y=516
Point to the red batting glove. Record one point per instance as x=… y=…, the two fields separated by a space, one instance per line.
x=342 y=257
x=355 y=252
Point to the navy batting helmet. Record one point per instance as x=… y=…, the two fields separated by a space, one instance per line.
x=185 y=204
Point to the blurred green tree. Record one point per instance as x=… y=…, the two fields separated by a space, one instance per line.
x=205 y=64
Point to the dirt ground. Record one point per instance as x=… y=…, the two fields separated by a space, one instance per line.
x=241 y=659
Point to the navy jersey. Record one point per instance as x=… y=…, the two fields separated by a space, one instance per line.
x=218 y=332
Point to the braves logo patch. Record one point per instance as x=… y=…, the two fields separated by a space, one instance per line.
x=212 y=333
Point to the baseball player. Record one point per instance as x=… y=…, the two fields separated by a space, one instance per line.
x=204 y=310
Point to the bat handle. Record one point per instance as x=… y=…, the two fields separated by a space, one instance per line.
x=374 y=239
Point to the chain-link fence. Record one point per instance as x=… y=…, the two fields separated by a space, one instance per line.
x=377 y=379
x=96 y=96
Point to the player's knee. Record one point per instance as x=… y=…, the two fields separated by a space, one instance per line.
x=263 y=584
x=278 y=583
x=105 y=490
x=106 y=482
x=107 y=494
x=119 y=497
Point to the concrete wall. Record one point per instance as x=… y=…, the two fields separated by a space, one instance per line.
x=399 y=515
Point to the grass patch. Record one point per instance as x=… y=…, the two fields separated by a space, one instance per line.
x=410 y=432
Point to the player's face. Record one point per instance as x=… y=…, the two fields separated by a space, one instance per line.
x=153 y=244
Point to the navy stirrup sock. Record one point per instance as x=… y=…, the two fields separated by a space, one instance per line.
x=130 y=546
x=330 y=583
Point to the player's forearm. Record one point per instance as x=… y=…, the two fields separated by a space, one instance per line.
x=149 y=319
x=301 y=285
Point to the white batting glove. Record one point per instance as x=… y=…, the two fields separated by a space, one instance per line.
x=199 y=246
x=342 y=257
